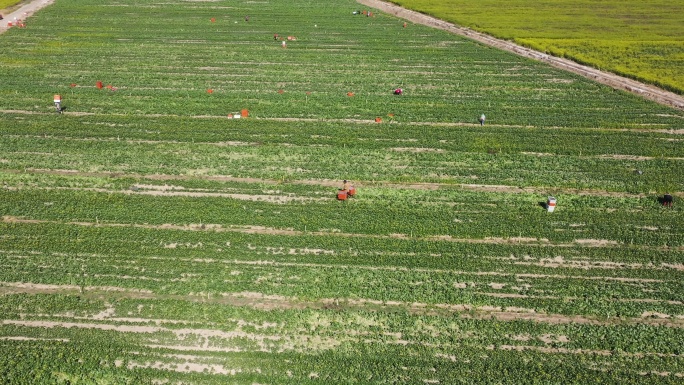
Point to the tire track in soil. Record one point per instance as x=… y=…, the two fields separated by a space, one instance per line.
x=618 y=82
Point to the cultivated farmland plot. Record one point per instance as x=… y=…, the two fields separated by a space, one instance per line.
x=148 y=238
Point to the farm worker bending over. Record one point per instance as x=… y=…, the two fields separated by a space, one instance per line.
x=58 y=103
x=398 y=91
x=482 y=119
x=348 y=188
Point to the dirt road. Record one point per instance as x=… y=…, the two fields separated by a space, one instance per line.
x=618 y=82
x=21 y=12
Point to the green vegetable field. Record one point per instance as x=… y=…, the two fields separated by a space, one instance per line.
x=148 y=236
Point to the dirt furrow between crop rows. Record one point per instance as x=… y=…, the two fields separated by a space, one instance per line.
x=349 y=121
x=336 y=184
x=290 y=232
x=273 y=231
x=626 y=157
x=517 y=276
x=271 y=302
x=178 y=191
x=439 y=271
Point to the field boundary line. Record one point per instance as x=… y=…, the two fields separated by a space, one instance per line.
x=612 y=80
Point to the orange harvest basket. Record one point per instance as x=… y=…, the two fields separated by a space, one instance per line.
x=342 y=195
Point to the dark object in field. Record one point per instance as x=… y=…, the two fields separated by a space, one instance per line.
x=666 y=200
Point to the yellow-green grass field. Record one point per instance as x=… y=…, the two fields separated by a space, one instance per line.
x=634 y=38
x=8 y=3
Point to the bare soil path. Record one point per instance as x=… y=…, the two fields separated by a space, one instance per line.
x=21 y=12
x=618 y=82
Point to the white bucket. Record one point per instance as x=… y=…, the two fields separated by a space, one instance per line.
x=551 y=204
